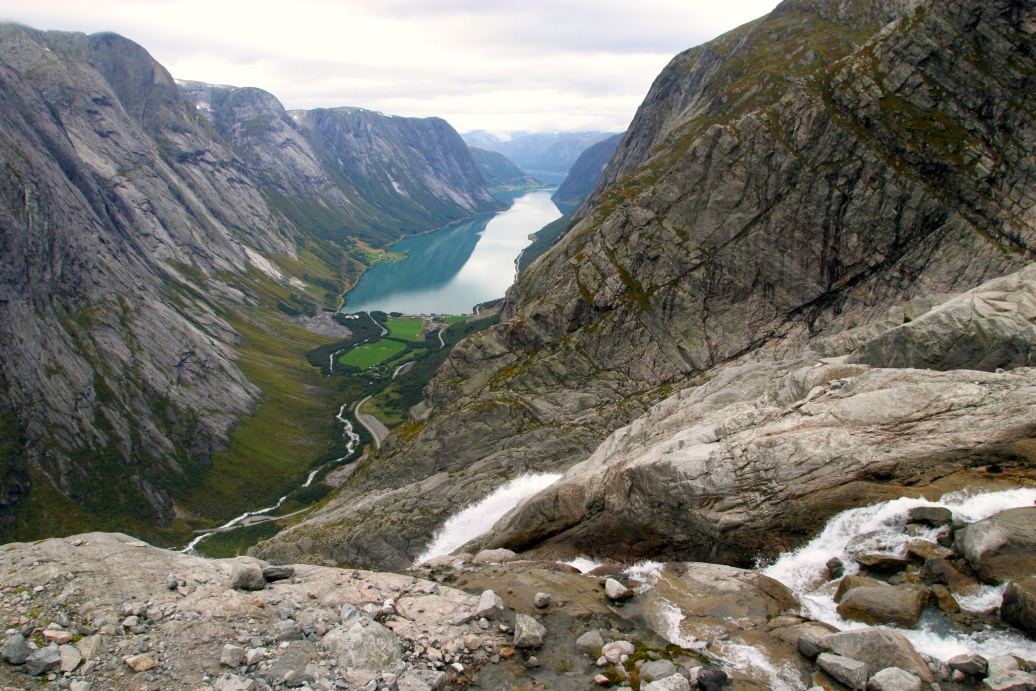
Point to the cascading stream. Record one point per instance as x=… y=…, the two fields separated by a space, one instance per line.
x=352 y=442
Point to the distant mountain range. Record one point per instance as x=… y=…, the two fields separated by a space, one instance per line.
x=546 y=156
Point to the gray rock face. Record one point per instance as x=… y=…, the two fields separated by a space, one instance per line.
x=1001 y=547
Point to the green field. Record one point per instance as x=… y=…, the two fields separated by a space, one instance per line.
x=407 y=329
x=371 y=354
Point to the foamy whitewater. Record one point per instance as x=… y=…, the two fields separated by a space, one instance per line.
x=804 y=571
x=480 y=517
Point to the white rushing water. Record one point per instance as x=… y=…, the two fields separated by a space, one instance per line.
x=352 y=440
x=879 y=528
x=479 y=517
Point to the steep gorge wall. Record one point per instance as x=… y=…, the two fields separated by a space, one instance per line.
x=900 y=171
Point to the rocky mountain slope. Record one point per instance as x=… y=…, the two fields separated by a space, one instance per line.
x=499 y=171
x=873 y=170
x=135 y=234
x=585 y=172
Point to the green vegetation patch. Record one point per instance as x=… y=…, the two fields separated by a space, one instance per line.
x=407 y=329
x=236 y=542
x=371 y=354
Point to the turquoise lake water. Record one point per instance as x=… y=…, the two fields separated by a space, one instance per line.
x=451 y=270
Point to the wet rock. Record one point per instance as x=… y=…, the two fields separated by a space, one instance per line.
x=811 y=645
x=711 y=678
x=657 y=669
x=1001 y=665
x=495 y=556
x=1018 y=607
x=1002 y=547
x=590 y=643
x=945 y=600
x=835 y=568
x=140 y=663
x=899 y=605
x=15 y=651
x=970 y=664
x=922 y=550
x=246 y=576
x=850 y=582
x=1012 y=681
x=894 y=679
x=616 y=591
x=542 y=600
x=43 y=660
x=934 y=516
x=363 y=644
x=272 y=574
x=880 y=648
x=490 y=606
x=883 y=563
x=528 y=633
x=943 y=572
x=852 y=673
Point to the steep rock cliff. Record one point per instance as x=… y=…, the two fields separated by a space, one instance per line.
x=894 y=169
x=585 y=172
x=348 y=172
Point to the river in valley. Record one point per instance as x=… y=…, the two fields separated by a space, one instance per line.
x=451 y=270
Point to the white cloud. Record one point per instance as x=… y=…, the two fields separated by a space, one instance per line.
x=481 y=64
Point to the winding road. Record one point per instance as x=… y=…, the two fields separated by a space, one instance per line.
x=378 y=430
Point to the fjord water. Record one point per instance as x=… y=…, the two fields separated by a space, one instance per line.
x=451 y=270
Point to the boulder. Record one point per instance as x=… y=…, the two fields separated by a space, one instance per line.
x=43 y=660
x=15 y=651
x=233 y=682
x=657 y=669
x=363 y=644
x=970 y=664
x=616 y=591
x=614 y=651
x=883 y=563
x=673 y=683
x=711 y=678
x=490 y=606
x=852 y=673
x=272 y=574
x=247 y=576
x=70 y=658
x=880 y=648
x=811 y=645
x=1002 y=547
x=495 y=556
x=922 y=550
x=943 y=572
x=1018 y=607
x=541 y=600
x=894 y=679
x=1001 y=665
x=528 y=633
x=1012 y=681
x=944 y=598
x=232 y=656
x=849 y=582
x=934 y=516
x=590 y=643
x=899 y=605
x=140 y=663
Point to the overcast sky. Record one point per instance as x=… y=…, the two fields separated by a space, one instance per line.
x=537 y=65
